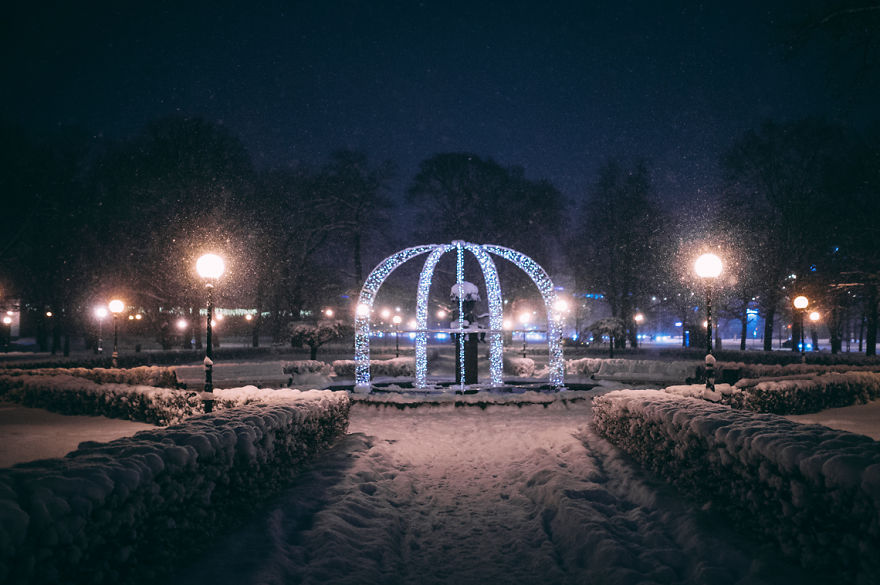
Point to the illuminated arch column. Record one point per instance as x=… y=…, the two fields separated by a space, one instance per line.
x=545 y=286
x=365 y=307
x=425 y=278
x=496 y=319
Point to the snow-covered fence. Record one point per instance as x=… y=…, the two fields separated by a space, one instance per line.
x=125 y=511
x=812 y=490
x=393 y=368
x=161 y=377
x=805 y=395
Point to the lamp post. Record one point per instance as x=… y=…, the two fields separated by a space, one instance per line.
x=708 y=267
x=7 y=321
x=639 y=319
x=814 y=319
x=396 y=320
x=800 y=303
x=100 y=314
x=524 y=319
x=210 y=267
x=116 y=306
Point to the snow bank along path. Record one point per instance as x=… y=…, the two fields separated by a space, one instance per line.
x=466 y=495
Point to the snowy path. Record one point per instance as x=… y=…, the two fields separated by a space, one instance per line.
x=505 y=495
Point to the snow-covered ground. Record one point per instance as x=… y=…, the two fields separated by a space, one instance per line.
x=863 y=419
x=465 y=495
x=27 y=434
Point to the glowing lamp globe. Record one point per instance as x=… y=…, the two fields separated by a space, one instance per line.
x=7 y=320
x=561 y=305
x=524 y=318
x=116 y=306
x=100 y=312
x=708 y=266
x=397 y=319
x=801 y=302
x=815 y=316
x=363 y=310
x=210 y=266
x=181 y=324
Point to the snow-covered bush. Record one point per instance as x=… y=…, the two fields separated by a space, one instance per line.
x=306 y=367
x=158 y=406
x=67 y=394
x=629 y=370
x=393 y=368
x=733 y=371
x=806 y=395
x=125 y=511
x=814 y=491
x=521 y=367
x=161 y=377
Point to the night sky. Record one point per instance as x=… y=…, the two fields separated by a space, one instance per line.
x=556 y=87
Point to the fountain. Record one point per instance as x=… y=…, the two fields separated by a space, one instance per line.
x=482 y=253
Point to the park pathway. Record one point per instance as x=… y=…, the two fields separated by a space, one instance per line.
x=472 y=496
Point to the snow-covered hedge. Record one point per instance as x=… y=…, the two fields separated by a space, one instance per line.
x=393 y=368
x=805 y=395
x=125 y=511
x=812 y=490
x=626 y=370
x=733 y=371
x=306 y=367
x=520 y=367
x=159 y=406
x=72 y=395
x=161 y=377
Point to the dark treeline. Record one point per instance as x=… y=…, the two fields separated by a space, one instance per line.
x=85 y=220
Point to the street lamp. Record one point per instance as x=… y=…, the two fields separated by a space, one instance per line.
x=210 y=267
x=100 y=314
x=397 y=319
x=708 y=267
x=7 y=320
x=800 y=303
x=116 y=306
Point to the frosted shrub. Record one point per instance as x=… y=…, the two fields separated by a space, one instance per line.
x=124 y=511
x=393 y=368
x=161 y=377
x=306 y=367
x=521 y=367
x=814 y=491
x=806 y=395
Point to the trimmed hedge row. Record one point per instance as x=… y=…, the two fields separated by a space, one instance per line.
x=813 y=491
x=128 y=510
x=803 y=396
x=160 y=377
x=72 y=395
x=306 y=367
x=393 y=368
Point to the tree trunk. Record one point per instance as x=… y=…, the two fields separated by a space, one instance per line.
x=358 y=265
x=744 y=331
x=871 y=310
x=313 y=352
x=768 y=328
x=834 y=329
x=796 y=332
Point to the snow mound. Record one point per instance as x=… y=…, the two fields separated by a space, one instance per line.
x=813 y=491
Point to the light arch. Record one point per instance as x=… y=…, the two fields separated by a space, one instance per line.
x=490 y=275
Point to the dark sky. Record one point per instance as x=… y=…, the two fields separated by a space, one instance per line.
x=555 y=87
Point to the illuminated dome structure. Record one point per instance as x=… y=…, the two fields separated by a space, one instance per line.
x=482 y=253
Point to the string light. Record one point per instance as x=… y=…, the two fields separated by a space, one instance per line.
x=490 y=276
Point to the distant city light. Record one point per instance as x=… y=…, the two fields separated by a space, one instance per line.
x=100 y=312
x=182 y=324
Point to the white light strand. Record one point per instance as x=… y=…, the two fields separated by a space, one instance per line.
x=496 y=318
x=425 y=278
x=545 y=286
x=362 y=316
x=459 y=275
